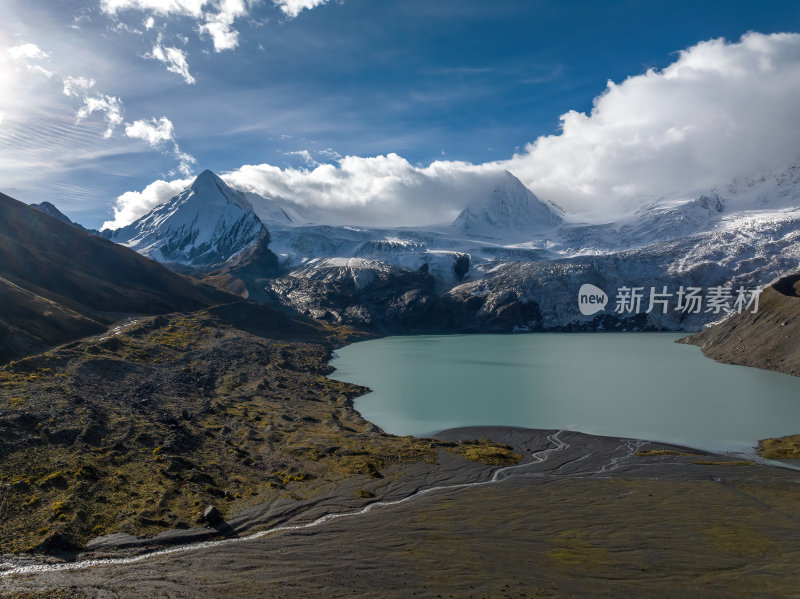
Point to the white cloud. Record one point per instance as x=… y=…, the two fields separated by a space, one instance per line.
x=153 y=131
x=26 y=54
x=27 y=51
x=305 y=155
x=174 y=58
x=133 y=204
x=382 y=190
x=192 y=8
x=88 y=102
x=186 y=163
x=76 y=22
x=215 y=18
x=160 y=133
x=719 y=111
x=149 y=22
x=35 y=68
x=127 y=28
x=110 y=107
x=219 y=24
x=330 y=153
x=292 y=8
x=78 y=87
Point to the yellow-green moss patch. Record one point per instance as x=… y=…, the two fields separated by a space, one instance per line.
x=780 y=448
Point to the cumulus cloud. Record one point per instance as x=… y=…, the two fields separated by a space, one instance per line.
x=155 y=132
x=133 y=204
x=219 y=24
x=110 y=107
x=27 y=51
x=174 y=58
x=719 y=111
x=380 y=190
x=292 y=8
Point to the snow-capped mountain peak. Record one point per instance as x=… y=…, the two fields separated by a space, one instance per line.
x=214 y=190
x=510 y=208
x=207 y=223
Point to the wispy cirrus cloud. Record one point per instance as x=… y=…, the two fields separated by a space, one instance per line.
x=110 y=107
x=174 y=58
x=160 y=134
x=305 y=155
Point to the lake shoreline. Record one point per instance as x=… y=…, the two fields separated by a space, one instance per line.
x=639 y=386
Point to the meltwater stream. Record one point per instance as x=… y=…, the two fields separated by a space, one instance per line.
x=639 y=385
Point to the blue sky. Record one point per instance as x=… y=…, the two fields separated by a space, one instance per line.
x=461 y=80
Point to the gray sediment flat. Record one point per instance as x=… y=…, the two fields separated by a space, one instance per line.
x=581 y=515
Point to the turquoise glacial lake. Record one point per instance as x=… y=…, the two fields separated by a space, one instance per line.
x=637 y=385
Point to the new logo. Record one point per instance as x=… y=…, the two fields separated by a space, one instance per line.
x=591 y=299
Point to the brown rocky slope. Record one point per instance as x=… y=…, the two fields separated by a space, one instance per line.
x=768 y=339
x=59 y=283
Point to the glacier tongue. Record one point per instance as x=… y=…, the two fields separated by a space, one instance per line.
x=207 y=223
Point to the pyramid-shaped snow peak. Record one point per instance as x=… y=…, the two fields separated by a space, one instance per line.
x=206 y=223
x=510 y=207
